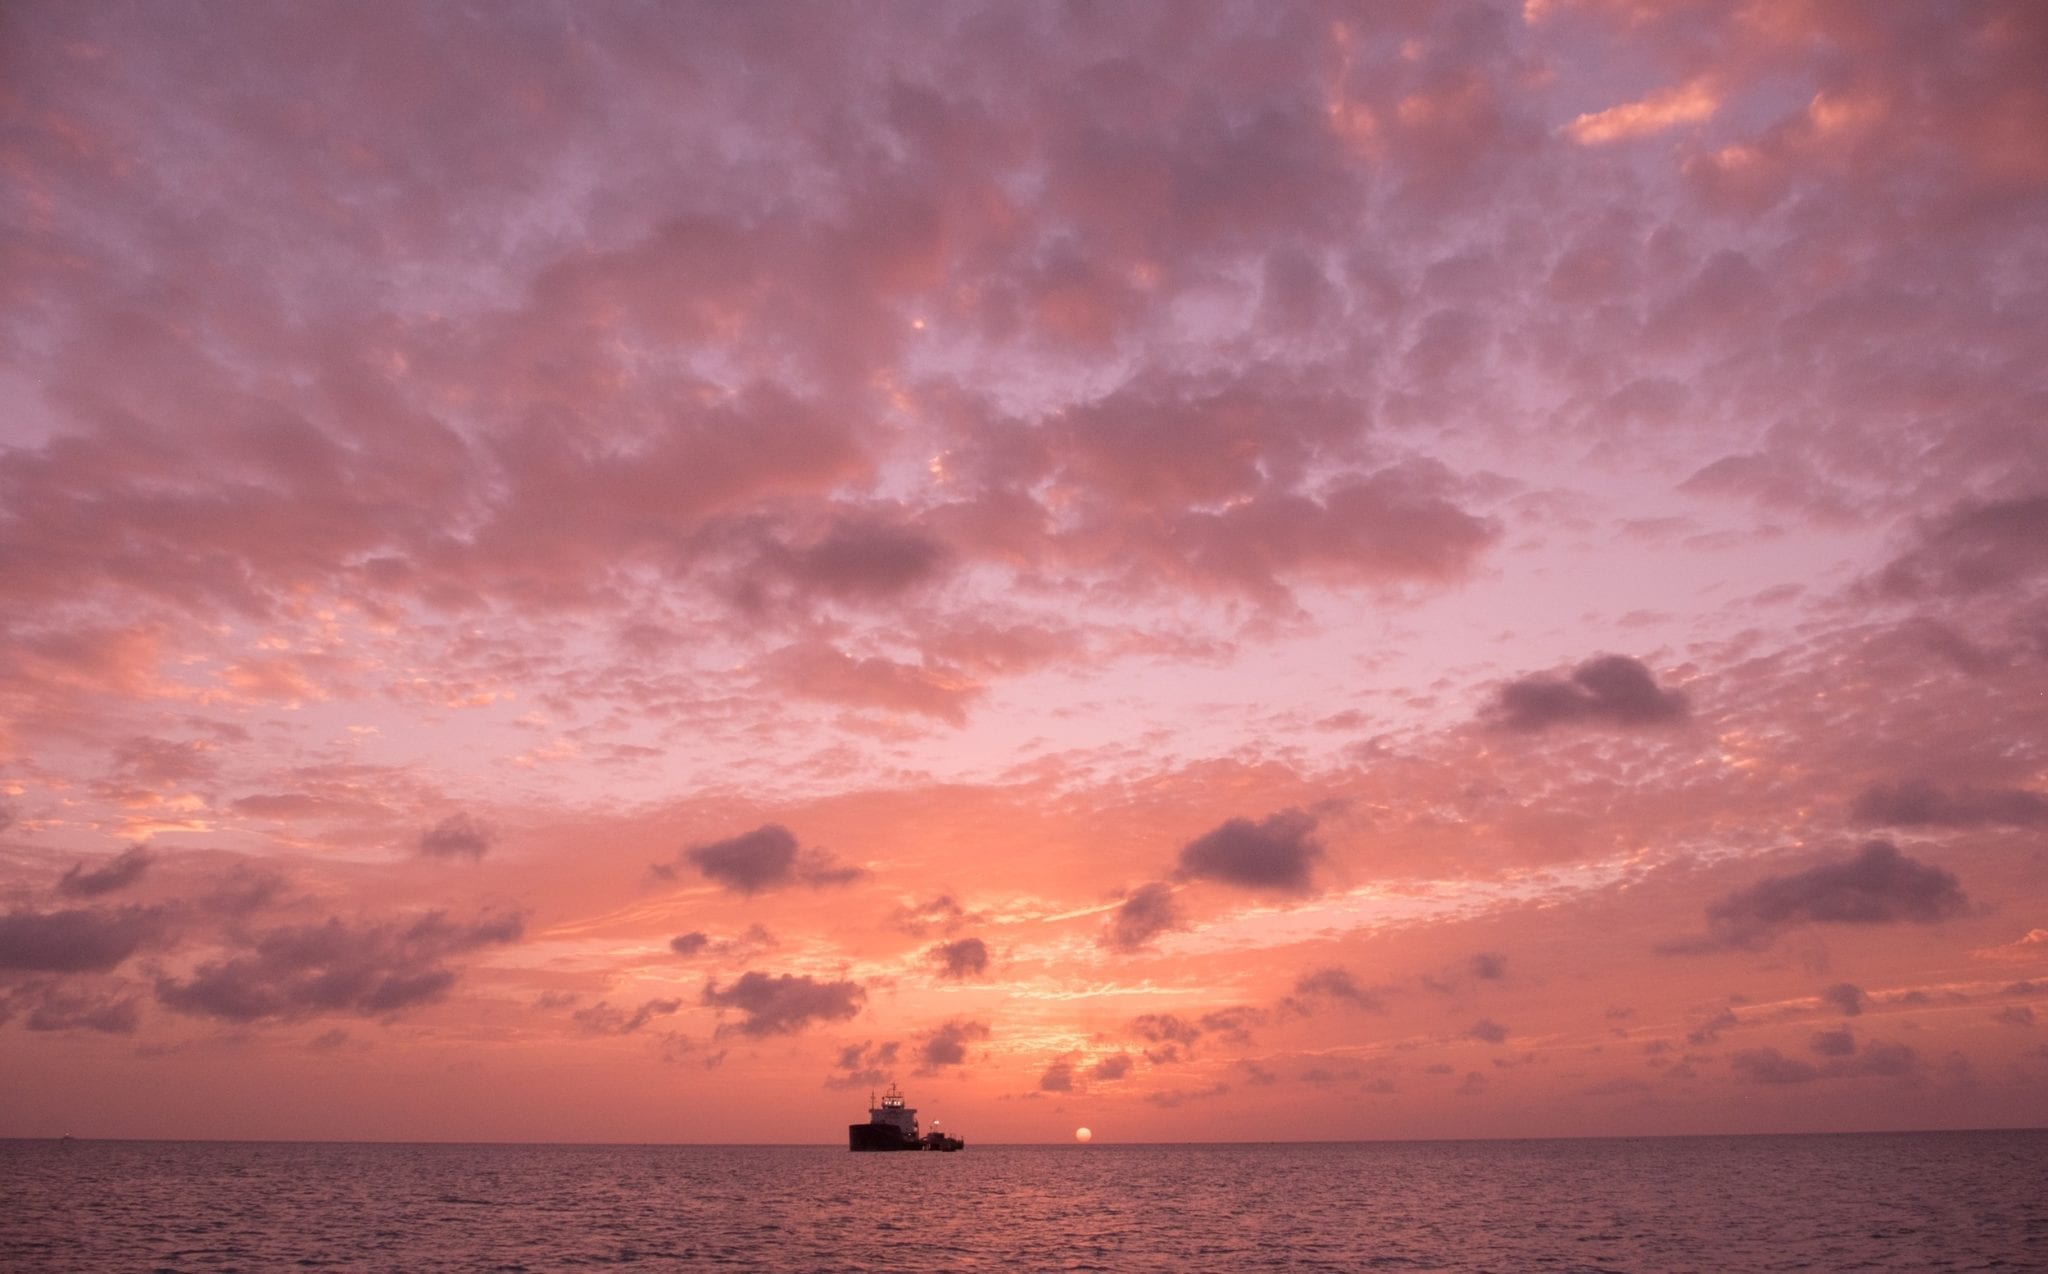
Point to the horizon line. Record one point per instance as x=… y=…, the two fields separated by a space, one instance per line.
x=1097 y=1144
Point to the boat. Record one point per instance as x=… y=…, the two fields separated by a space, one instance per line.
x=893 y=1126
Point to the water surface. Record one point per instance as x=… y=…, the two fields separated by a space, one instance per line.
x=1917 y=1201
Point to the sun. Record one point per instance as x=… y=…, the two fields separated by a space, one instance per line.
x=1082 y=1134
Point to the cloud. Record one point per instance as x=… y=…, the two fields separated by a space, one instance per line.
x=366 y=970
x=1113 y=1067
x=963 y=959
x=763 y=859
x=1879 y=885
x=1886 y=1058
x=1834 y=1043
x=58 y=1006
x=1610 y=690
x=814 y=670
x=1058 y=1078
x=1917 y=803
x=2021 y=1015
x=1489 y=966
x=1334 y=984
x=1973 y=548
x=754 y=940
x=1769 y=1066
x=1166 y=1028
x=1710 y=1030
x=602 y=1019
x=457 y=836
x=1488 y=1030
x=942 y=914
x=123 y=870
x=784 y=1003
x=1393 y=525
x=864 y=1065
x=78 y=941
x=947 y=1045
x=167 y=761
x=1173 y=1097
x=1148 y=912
x=1278 y=852
x=862 y=557
x=1209 y=483
x=1234 y=1024
x=242 y=891
x=1845 y=996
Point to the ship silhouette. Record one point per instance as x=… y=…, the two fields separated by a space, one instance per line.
x=893 y=1126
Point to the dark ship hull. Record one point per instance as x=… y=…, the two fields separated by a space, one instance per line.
x=884 y=1137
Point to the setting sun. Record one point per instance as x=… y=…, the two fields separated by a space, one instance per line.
x=1082 y=1134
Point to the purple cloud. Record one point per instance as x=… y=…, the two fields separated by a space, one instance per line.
x=368 y=970
x=602 y=1019
x=1612 y=690
x=1834 y=1043
x=1769 y=1066
x=1333 y=984
x=457 y=836
x=1279 y=852
x=1878 y=885
x=1973 y=548
x=947 y=1045
x=784 y=1003
x=59 y=1006
x=78 y=941
x=1917 y=803
x=1148 y=912
x=123 y=870
x=1845 y=996
x=764 y=859
x=963 y=959
x=1488 y=1030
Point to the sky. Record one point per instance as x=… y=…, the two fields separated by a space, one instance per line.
x=640 y=572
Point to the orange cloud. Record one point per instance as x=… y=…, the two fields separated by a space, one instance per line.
x=1690 y=103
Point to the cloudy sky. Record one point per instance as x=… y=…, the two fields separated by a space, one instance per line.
x=633 y=572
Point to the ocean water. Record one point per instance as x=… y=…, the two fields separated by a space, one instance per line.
x=1915 y=1201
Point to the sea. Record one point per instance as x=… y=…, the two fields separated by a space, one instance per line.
x=1906 y=1201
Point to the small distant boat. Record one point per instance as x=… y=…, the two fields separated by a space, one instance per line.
x=893 y=1126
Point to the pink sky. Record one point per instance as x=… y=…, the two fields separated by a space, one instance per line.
x=1213 y=572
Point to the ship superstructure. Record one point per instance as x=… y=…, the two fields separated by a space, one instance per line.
x=892 y=1125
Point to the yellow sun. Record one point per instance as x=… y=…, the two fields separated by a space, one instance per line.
x=1082 y=1134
